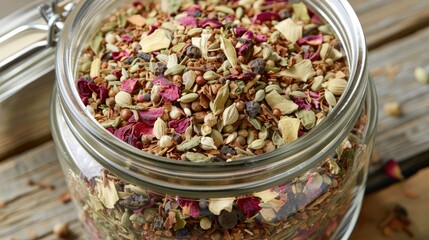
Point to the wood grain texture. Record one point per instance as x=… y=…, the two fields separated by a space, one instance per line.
x=406 y=136
x=386 y=20
x=31 y=212
x=412 y=194
x=24 y=118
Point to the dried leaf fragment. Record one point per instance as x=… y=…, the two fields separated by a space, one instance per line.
x=290 y=30
x=301 y=71
x=158 y=40
x=275 y=100
x=289 y=128
x=95 y=68
x=307 y=117
x=300 y=11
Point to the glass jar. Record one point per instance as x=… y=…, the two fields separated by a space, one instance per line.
x=309 y=189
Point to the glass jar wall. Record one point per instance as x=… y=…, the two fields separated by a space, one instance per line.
x=309 y=189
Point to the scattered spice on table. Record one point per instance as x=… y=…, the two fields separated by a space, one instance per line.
x=393 y=170
x=61 y=230
x=392 y=71
x=41 y=185
x=397 y=221
x=208 y=83
x=393 y=109
x=65 y=197
x=421 y=75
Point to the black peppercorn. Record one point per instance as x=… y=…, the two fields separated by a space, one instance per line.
x=220 y=57
x=193 y=51
x=253 y=109
x=284 y=14
x=160 y=68
x=227 y=219
x=144 y=56
x=226 y=149
x=258 y=65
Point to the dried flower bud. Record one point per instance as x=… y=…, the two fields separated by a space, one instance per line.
x=230 y=115
x=166 y=141
x=175 y=113
x=207 y=143
x=159 y=128
x=210 y=75
x=337 y=86
x=189 y=78
x=155 y=93
x=123 y=99
x=257 y=144
x=205 y=129
x=210 y=119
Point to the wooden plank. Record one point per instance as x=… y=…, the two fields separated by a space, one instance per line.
x=412 y=194
x=24 y=118
x=31 y=212
x=406 y=136
x=386 y=20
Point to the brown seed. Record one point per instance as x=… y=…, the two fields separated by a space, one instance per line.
x=61 y=230
x=240 y=105
x=277 y=113
x=196 y=106
x=126 y=114
x=112 y=93
x=200 y=80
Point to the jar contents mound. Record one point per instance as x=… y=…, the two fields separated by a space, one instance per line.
x=207 y=82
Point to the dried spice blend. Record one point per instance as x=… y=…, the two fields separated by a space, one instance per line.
x=214 y=82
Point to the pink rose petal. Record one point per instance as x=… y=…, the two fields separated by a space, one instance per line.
x=212 y=23
x=179 y=125
x=188 y=21
x=130 y=85
x=249 y=205
x=313 y=40
x=266 y=16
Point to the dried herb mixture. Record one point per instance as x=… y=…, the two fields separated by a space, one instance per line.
x=206 y=82
x=214 y=81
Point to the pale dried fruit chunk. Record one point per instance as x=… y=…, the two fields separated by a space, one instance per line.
x=266 y=195
x=107 y=193
x=158 y=40
x=137 y=20
x=301 y=71
x=290 y=30
x=289 y=128
x=275 y=100
x=216 y=205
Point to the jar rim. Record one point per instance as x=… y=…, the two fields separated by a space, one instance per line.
x=338 y=13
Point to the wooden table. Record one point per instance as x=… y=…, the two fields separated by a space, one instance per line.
x=397 y=33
